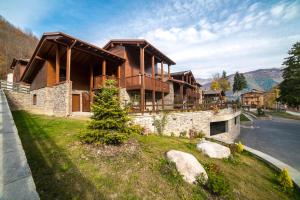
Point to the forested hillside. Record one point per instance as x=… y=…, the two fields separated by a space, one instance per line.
x=14 y=43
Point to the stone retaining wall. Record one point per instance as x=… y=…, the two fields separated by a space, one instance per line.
x=177 y=122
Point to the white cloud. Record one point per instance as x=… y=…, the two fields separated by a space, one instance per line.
x=244 y=40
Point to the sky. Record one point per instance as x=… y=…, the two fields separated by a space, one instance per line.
x=206 y=36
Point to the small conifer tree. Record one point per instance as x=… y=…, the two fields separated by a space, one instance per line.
x=107 y=111
x=109 y=120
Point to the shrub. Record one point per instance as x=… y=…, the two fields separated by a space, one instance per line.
x=233 y=148
x=160 y=124
x=285 y=180
x=194 y=134
x=169 y=171
x=134 y=129
x=217 y=183
x=232 y=159
x=182 y=133
x=90 y=136
x=240 y=147
x=260 y=112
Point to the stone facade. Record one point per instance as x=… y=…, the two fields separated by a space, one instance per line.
x=124 y=96
x=55 y=100
x=178 y=122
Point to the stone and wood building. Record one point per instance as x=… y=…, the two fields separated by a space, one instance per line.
x=253 y=99
x=187 y=91
x=64 y=73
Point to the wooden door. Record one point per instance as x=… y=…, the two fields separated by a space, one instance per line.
x=75 y=102
x=86 y=102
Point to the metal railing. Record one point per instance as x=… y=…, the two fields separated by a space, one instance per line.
x=16 y=87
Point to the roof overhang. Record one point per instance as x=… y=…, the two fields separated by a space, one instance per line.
x=143 y=43
x=67 y=41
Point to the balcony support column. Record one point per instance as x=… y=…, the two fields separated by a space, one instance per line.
x=119 y=75
x=57 y=64
x=169 y=72
x=103 y=71
x=153 y=78
x=68 y=64
x=91 y=83
x=142 y=73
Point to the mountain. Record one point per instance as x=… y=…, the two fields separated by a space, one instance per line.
x=14 y=43
x=261 y=79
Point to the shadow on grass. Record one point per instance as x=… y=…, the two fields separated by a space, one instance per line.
x=54 y=173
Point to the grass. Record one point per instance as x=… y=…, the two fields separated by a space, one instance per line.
x=283 y=115
x=243 y=118
x=63 y=168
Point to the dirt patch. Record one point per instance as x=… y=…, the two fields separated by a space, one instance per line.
x=130 y=147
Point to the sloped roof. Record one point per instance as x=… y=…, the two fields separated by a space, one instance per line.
x=23 y=61
x=65 y=40
x=143 y=42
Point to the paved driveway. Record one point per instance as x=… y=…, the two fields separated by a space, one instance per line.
x=278 y=137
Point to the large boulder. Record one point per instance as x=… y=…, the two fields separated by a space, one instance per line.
x=187 y=165
x=213 y=150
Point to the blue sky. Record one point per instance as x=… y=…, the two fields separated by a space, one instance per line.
x=206 y=36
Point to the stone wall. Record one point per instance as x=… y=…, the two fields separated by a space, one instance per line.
x=124 y=96
x=54 y=100
x=17 y=100
x=177 y=122
x=63 y=99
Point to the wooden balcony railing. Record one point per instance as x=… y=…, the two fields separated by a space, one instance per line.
x=193 y=93
x=99 y=80
x=181 y=107
x=135 y=82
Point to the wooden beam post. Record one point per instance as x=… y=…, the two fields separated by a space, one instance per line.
x=162 y=70
x=103 y=71
x=169 y=72
x=153 y=78
x=163 y=100
x=91 y=77
x=57 y=63
x=181 y=93
x=91 y=83
x=142 y=72
x=119 y=75
x=68 y=64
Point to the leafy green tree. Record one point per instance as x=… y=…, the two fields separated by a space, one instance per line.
x=214 y=85
x=239 y=82
x=224 y=83
x=290 y=86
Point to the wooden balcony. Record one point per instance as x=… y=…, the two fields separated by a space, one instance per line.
x=193 y=93
x=99 y=80
x=135 y=82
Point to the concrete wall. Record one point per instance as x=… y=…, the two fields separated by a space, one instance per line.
x=178 y=122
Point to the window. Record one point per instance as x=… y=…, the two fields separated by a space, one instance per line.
x=34 y=99
x=218 y=127
x=235 y=120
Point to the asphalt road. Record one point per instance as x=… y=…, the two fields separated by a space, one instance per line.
x=278 y=137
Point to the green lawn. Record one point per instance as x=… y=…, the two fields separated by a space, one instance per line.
x=244 y=118
x=63 y=168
